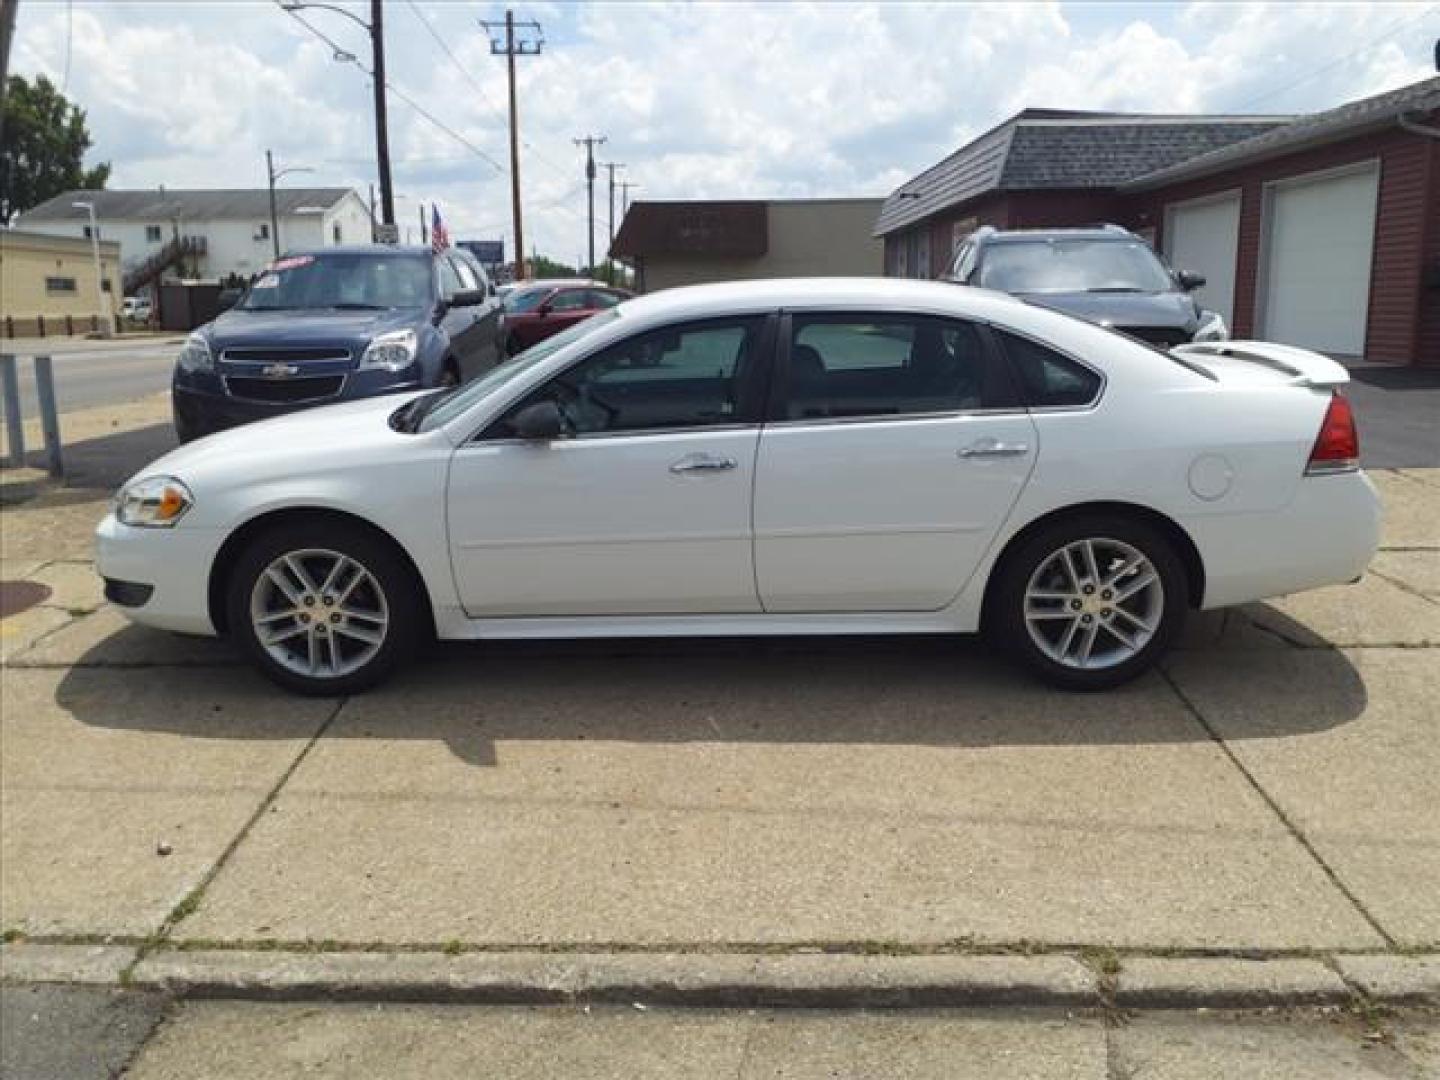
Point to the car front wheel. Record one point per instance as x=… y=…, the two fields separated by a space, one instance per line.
x=1091 y=603
x=323 y=609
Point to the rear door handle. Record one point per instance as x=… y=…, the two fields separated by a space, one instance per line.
x=993 y=448
x=703 y=463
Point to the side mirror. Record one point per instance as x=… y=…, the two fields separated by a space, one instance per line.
x=1189 y=280
x=544 y=309
x=467 y=298
x=542 y=420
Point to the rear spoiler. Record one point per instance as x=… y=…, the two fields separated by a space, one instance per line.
x=1304 y=368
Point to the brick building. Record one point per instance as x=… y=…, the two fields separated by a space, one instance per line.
x=1320 y=230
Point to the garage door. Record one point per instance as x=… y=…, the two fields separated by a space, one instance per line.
x=1320 y=241
x=1204 y=237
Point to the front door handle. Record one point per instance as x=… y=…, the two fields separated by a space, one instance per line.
x=703 y=463
x=993 y=448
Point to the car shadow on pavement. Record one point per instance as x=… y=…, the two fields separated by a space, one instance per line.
x=101 y=463
x=937 y=691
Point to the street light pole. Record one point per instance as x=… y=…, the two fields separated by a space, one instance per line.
x=274 y=175
x=376 y=29
x=101 y=306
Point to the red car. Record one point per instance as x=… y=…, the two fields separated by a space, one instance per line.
x=536 y=311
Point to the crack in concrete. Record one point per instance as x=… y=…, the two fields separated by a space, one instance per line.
x=192 y=899
x=1278 y=811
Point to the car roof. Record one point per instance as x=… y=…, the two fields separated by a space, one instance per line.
x=851 y=293
x=1112 y=234
x=361 y=249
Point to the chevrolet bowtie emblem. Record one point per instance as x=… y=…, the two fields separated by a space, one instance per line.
x=279 y=371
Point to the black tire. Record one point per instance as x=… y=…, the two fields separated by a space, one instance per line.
x=1007 y=609
x=393 y=580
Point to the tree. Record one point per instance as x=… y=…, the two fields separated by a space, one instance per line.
x=43 y=139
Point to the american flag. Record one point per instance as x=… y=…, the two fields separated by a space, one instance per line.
x=439 y=235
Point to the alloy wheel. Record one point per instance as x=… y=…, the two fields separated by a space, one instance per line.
x=319 y=613
x=1094 y=603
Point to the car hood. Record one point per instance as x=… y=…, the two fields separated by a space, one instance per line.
x=291 y=329
x=1168 y=309
x=345 y=432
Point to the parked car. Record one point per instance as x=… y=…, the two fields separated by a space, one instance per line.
x=824 y=456
x=136 y=308
x=1105 y=274
x=537 y=311
x=333 y=325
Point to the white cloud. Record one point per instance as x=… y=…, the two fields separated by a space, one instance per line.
x=698 y=100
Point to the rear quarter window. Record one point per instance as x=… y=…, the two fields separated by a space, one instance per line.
x=1049 y=379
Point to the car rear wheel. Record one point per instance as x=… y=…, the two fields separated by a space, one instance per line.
x=324 y=609
x=1090 y=603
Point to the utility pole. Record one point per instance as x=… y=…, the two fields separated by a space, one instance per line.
x=590 y=142
x=610 y=167
x=509 y=45
x=382 y=136
x=625 y=187
x=372 y=213
x=424 y=236
x=274 y=174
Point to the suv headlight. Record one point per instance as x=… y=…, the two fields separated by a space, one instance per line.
x=393 y=351
x=195 y=356
x=1212 y=327
x=156 y=502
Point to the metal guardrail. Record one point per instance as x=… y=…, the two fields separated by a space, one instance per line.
x=49 y=412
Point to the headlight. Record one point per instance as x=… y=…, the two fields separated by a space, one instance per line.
x=195 y=356
x=390 y=352
x=1212 y=327
x=156 y=502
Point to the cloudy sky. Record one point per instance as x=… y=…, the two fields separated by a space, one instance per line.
x=726 y=100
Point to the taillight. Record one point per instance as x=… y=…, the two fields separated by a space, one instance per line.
x=1337 y=447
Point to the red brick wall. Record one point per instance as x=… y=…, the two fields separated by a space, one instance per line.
x=1409 y=186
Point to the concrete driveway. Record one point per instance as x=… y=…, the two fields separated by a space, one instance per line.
x=1270 y=793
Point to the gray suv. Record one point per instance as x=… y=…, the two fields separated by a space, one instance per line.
x=1105 y=274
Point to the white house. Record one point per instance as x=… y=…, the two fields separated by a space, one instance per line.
x=226 y=230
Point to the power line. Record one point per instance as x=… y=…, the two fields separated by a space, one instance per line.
x=1337 y=61
x=349 y=57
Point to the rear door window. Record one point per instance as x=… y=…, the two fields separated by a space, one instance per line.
x=1049 y=379
x=885 y=365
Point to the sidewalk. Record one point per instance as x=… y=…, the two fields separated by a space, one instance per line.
x=846 y=823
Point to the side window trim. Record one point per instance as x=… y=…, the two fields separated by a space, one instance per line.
x=1019 y=383
x=749 y=398
x=997 y=367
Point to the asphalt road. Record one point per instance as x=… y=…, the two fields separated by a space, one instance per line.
x=1398 y=413
x=97 y=373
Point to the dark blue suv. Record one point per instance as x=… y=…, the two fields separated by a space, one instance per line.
x=337 y=324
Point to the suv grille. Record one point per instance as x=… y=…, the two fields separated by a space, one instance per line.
x=1164 y=336
x=264 y=355
x=287 y=390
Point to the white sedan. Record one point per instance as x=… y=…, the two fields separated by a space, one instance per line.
x=786 y=457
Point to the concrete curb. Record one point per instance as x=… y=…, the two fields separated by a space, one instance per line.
x=804 y=980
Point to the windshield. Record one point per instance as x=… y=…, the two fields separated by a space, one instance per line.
x=457 y=401
x=526 y=299
x=1054 y=266
x=352 y=280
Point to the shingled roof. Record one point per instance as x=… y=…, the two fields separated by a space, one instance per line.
x=1346 y=121
x=1041 y=149
x=196 y=204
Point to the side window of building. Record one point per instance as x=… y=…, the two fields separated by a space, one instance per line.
x=152 y=233
x=683 y=377
x=1049 y=379
x=885 y=365
x=262 y=232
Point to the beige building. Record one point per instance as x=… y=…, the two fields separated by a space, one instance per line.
x=689 y=243
x=47 y=284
